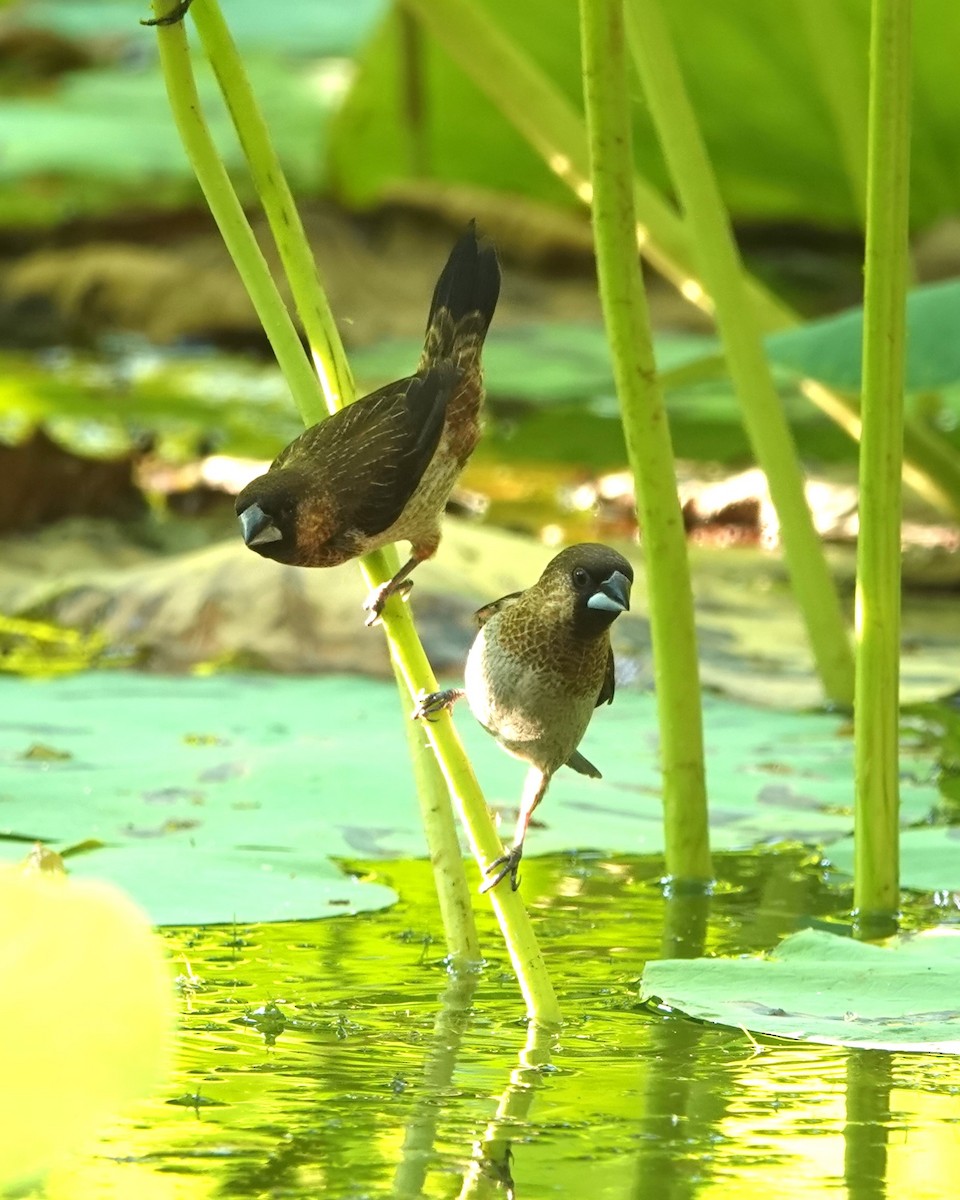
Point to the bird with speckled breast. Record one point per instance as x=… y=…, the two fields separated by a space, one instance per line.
x=539 y=666
x=381 y=469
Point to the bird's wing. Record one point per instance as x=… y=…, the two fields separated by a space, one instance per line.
x=609 y=683
x=374 y=453
x=580 y=764
x=483 y=615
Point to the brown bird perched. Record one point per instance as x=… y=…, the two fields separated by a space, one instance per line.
x=382 y=469
x=537 y=669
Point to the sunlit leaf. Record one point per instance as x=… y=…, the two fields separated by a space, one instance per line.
x=819 y=987
x=223 y=798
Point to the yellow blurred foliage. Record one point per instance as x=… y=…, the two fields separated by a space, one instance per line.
x=86 y=1012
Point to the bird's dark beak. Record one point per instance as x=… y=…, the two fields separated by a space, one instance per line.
x=613 y=595
x=257 y=527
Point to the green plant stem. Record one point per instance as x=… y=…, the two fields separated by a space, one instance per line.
x=723 y=275
x=231 y=221
x=337 y=385
x=406 y=652
x=625 y=313
x=534 y=106
x=286 y=227
x=876 y=713
x=408 y=655
x=446 y=858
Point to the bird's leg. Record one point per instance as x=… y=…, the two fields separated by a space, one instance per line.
x=431 y=703
x=175 y=15
x=533 y=791
x=399 y=583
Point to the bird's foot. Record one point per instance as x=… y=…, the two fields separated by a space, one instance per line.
x=508 y=864
x=173 y=17
x=430 y=704
x=373 y=605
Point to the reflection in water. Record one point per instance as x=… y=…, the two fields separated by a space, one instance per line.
x=869 y=1081
x=438 y=1072
x=490 y=1173
x=671 y=1125
x=367 y=1090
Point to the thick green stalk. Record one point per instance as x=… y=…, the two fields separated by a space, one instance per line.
x=541 y=113
x=406 y=653
x=233 y=225
x=336 y=381
x=876 y=712
x=723 y=276
x=607 y=99
x=278 y=204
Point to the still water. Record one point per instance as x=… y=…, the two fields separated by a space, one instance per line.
x=339 y=1059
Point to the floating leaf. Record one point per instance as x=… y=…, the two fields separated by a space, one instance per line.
x=818 y=987
x=239 y=824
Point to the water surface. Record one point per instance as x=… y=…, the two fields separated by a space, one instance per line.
x=339 y=1058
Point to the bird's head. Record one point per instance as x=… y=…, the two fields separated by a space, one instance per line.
x=267 y=509
x=592 y=584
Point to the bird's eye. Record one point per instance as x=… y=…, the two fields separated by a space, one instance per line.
x=580 y=578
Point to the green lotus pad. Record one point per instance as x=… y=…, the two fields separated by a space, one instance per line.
x=818 y=987
x=223 y=797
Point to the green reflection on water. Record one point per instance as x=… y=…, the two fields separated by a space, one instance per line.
x=344 y=1062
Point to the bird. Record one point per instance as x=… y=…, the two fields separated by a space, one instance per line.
x=538 y=667
x=381 y=469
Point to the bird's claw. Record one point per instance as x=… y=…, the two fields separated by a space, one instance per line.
x=373 y=605
x=431 y=704
x=173 y=17
x=508 y=863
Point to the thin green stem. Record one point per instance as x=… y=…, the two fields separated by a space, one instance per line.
x=723 y=275
x=337 y=385
x=625 y=313
x=408 y=656
x=406 y=652
x=876 y=713
x=229 y=216
x=446 y=858
x=281 y=211
x=930 y=465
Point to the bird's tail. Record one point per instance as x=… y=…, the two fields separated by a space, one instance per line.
x=463 y=303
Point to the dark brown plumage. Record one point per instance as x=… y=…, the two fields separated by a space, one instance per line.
x=381 y=469
x=539 y=666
